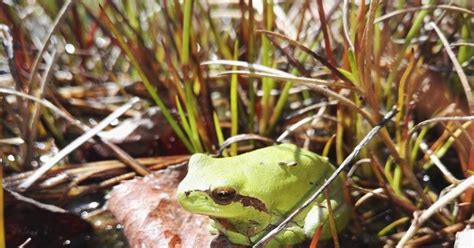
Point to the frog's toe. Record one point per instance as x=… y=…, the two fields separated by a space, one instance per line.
x=314 y=219
x=318 y=216
x=290 y=236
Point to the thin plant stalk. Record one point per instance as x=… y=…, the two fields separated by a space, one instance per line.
x=267 y=83
x=412 y=33
x=457 y=67
x=223 y=49
x=234 y=129
x=345 y=25
x=219 y=133
x=184 y=121
x=326 y=38
x=402 y=97
x=188 y=6
x=190 y=107
x=47 y=39
x=2 y=203
x=424 y=7
x=35 y=115
x=392 y=225
x=465 y=51
x=251 y=58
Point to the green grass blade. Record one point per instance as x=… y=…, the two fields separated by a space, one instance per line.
x=188 y=7
x=397 y=181
x=347 y=74
x=392 y=225
x=354 y=68
x=267 y=83
x=285 y=92
x=251 y=54
x=190 y=107
x=441 y=151
x=219 y=133
x=402 y=98
x=234 y=129
x=184 y=121
x=2 y=227
x=416 y=146
x=465 y=52
x=149 y=87
x=412 y=33
x=388 y=171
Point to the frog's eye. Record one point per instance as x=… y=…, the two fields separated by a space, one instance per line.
x=223 y=195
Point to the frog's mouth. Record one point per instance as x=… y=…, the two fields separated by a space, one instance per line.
x=201 y=202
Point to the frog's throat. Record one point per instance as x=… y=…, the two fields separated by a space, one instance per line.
x=246 y=201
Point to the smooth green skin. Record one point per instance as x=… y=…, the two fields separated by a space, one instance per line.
x=270 y=176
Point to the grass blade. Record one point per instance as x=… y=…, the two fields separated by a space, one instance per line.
x=2 y=224
x=219 y=133
x=457 y=67
x=234 y=111
x=149 y=87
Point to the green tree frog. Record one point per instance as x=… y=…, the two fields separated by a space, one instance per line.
x=246 y=194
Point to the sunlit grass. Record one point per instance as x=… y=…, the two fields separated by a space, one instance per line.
x=220 y=69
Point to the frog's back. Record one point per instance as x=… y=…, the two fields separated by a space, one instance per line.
x=292 y=161
x=284 y=174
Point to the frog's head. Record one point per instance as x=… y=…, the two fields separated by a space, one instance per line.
x=210 y=188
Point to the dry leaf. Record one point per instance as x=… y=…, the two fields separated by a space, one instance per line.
x=151 y=216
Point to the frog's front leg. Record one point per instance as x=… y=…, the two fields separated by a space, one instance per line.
x=213 y=227
x=290 y=235
x=234 y=237
x=318 y=216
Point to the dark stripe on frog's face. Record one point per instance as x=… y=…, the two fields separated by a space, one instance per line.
x=251 y=201
x=246 y=201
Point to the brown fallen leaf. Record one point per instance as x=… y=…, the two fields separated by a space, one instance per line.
x=151 y=216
